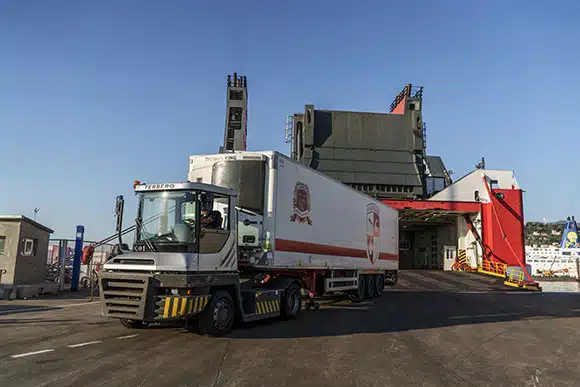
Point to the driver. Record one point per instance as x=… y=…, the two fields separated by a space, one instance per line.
x=208 y=220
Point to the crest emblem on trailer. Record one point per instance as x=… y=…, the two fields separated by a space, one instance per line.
x=301 y=204
x=373 y=231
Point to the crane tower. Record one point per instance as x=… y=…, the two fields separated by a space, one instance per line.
x=236 y=129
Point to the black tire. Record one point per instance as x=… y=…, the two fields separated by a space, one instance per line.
x=379 y=284
x=133 y=324
x=359 y=294
x=218 y=316
x=370 y=286
x=291 y=303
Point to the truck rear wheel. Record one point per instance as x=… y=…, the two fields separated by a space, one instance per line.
x=218 y=317
x=379 y=284
x=133 y=324
x=291 y=302
x=359 y=294
x=370 y=286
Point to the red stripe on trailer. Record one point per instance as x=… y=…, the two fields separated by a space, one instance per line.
x=320 y=249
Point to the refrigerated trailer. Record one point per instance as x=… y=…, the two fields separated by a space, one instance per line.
x=247 y=237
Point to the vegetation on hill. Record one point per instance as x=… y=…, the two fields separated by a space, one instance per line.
x=543 y=234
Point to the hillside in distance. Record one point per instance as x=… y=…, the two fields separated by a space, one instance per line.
x=544 y=234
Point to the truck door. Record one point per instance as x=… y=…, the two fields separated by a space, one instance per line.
x=217 y=242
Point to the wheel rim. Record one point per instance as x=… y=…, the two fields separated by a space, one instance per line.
x=222 y=313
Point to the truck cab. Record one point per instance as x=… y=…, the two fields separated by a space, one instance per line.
x=184 y=263
x=182 y=227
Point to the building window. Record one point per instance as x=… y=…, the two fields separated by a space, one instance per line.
x=236 y=95
x=2 y=244
x=29 y=247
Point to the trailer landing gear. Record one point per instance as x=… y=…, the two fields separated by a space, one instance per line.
x=312 y=305
x=359 y=294
x=133 y=324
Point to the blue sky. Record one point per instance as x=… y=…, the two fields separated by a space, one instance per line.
x=97 y=94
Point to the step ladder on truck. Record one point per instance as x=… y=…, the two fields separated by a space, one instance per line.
x=248 y=237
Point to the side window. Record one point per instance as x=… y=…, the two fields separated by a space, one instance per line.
x=214 y=209
x=215 y=223
x=2 y=244
x=29 y=247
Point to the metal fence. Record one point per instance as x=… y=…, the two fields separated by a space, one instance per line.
x=59 y=263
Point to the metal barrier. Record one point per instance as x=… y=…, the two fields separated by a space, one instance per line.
x=59 y=263
x=462 y=263
x=516 y=276
x=497 y=269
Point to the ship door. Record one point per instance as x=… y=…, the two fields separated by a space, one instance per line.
x=449 y=257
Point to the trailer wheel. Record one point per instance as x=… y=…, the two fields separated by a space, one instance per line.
x=370 y=286
x=379 y=284
x=359 y=294
x=291 y=302
x=218 y=317
x=133 y=324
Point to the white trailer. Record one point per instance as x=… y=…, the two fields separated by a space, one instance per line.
x=275 y=231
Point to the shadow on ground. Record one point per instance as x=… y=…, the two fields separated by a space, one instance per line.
x=35 y=321
x=11 y=308
x=407 y=311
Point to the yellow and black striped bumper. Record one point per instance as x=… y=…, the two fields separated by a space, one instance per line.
x=267 y=307
x=171 y=307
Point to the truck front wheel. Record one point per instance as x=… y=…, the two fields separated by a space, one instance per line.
x=218 y=316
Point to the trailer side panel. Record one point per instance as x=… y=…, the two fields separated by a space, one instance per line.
x=322 y=223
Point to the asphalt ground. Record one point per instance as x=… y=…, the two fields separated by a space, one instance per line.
x=432 y=329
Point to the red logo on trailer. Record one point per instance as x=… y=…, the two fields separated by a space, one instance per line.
x=301 y=204
x=373 y=231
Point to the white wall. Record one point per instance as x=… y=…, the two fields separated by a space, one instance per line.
x=466 y=240
x=463 y=189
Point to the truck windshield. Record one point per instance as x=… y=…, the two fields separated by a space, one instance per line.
x=166 y=220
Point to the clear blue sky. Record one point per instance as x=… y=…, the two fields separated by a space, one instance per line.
x=96 y=94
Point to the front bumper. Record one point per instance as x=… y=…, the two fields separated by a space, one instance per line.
x=136 y=297
x=172 y=307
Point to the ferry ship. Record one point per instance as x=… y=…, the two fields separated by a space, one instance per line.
x=557 y=262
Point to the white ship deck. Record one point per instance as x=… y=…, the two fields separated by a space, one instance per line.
x=562 y=262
